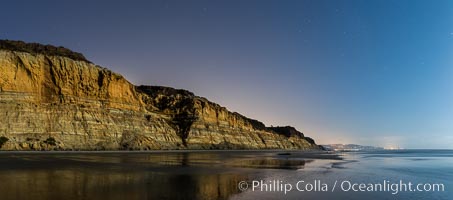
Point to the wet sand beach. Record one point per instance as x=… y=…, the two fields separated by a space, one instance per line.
x=209 y=174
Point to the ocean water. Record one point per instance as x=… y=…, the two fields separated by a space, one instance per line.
x=227 y=175
x=399 y=167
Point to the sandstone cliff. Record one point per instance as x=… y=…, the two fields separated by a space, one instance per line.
x=54 y=99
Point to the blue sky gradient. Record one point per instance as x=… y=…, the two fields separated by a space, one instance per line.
x=367 y=72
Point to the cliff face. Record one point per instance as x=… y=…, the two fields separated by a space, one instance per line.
x=51 y=100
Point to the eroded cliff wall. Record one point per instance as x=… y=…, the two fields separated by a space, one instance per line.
x=59 y=102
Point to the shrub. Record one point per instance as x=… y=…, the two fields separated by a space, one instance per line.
x=41 y=49
x=50 y=141
x=3 y=139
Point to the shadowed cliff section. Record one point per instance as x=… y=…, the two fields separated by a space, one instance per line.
x=176 y=102
x=289 y=131
x=181 y=105
x=53 y=99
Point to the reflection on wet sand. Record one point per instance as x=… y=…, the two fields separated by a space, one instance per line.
x=270 y=163
x=131 y=176
x=94 y=184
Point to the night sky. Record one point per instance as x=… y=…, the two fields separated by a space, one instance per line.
x=368 y=72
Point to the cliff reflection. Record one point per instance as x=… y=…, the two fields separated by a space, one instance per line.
x=95 y=184
x=130 y=176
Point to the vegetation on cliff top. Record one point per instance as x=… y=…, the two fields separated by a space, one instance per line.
x=36 y=48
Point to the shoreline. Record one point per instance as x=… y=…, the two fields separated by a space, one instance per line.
x=169 y=151
x=269 y=154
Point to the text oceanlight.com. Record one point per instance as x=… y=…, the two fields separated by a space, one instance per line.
x=343 y=185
